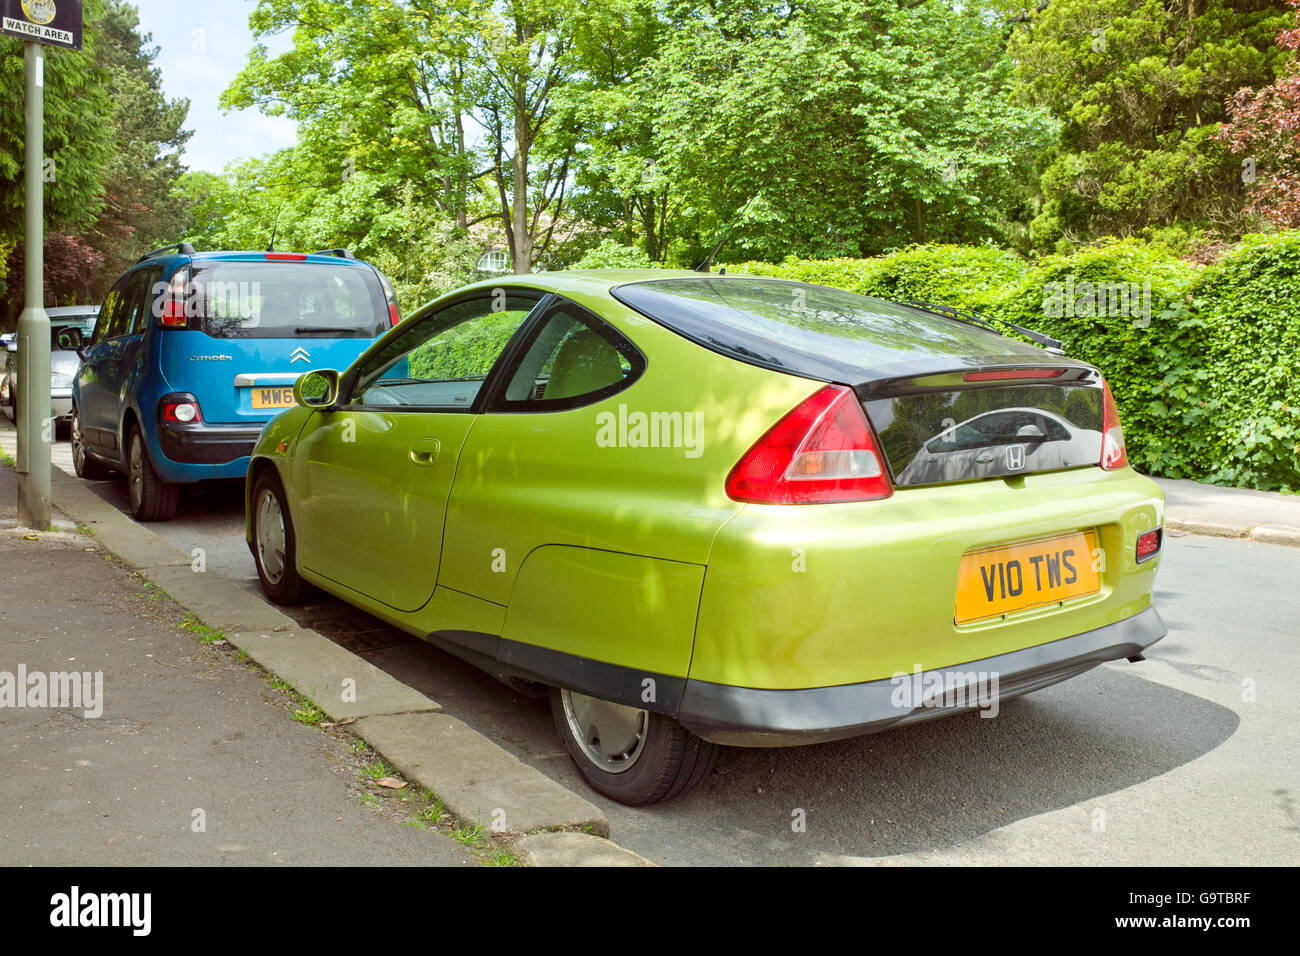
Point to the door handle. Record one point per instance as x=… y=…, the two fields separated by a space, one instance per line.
x=424 y=452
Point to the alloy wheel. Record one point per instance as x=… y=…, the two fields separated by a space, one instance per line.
x=612 y=736
x=270 y=536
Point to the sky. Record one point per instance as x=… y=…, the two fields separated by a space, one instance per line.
x=203 y=46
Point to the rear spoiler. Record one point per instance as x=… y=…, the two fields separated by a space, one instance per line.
x=971 y=317
x=183 y=248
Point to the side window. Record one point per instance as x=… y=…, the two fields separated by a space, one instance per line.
x=144 y=283
x=134 y=314
x=120 y=317
x=442 y=360
x=575 y=359
x=109 y=306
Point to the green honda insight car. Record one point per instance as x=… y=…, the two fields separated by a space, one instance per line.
x=700 y=509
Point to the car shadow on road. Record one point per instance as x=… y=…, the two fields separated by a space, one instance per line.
x=921 y=788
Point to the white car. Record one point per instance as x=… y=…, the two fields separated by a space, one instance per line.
x=63 y=362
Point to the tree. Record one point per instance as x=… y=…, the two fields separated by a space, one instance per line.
x=840 y=127
x=1139 y=87
x=112 y=146
x=78 y=141
x=70 y=265
x=140 y=210
x=1265 y=126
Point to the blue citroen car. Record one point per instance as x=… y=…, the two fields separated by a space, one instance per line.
x=195 y=351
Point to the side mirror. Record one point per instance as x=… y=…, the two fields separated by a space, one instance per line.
x=70 y=340
x=317 y=389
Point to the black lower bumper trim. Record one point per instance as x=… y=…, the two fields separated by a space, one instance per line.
x=199 y=443
x=755 y=717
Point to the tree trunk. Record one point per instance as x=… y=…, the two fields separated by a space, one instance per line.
x=522 y=251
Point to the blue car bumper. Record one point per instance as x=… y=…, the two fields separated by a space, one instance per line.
x=198 y=451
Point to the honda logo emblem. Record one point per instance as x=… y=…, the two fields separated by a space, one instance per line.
x=1015 y=457
x=300 y=354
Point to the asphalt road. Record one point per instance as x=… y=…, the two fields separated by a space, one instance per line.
x=1190 y=757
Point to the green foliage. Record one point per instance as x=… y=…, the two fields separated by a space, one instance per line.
x=611 y=254
x=972 y=277
x=860 y=125
x=1248 y=302
x=464 y=351
x=1139 y=87
x=77 y=98
x=114 y=140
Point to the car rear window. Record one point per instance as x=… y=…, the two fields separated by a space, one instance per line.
x=967 y=434
x=252 y=299
x=807 y=329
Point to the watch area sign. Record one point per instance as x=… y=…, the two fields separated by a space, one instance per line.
x=55 y=22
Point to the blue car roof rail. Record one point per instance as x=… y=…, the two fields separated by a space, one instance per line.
x=341 y=253
x=184 y=248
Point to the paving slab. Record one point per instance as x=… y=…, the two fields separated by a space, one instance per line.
x=183 y=761
x=477 y=780
x=1276 y=534
x=567 y=848
x=1200 y=524
x=336 y=680
x=216 y=601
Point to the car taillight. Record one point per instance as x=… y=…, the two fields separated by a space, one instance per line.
x=1148 y=544
x=173 y=314
x=1113 y=453
x=184 y=412
x=393 y=315
x=288 y=256
x=822 y=451
x=171 y=304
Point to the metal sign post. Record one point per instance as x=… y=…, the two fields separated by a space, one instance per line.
x=55 y=22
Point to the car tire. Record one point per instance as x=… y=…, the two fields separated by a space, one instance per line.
x=274 y=543
x=653 y=759
x=82 y=462
x=152 y=499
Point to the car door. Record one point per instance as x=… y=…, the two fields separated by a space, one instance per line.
x=130 y=346
x=540 y=437
x=98 y=371
x=373 y=474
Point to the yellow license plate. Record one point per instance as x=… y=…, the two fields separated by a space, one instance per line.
x=996 y=581
x=273 y=397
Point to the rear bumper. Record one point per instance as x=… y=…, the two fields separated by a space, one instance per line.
x=199 y=443
x=753 y=717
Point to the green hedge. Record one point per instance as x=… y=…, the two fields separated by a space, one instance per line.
x=1203 y=361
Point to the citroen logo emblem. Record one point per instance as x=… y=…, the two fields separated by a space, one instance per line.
x=300 y=354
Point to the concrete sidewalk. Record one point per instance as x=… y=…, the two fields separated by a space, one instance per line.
x=1197 y=508
x=194 y=759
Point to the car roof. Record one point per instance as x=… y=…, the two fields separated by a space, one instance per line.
x=172 y=260
x=59 y=311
